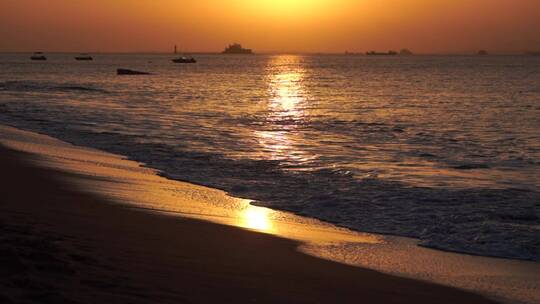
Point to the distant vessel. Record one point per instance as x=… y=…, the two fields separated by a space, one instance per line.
x=84 y=57
x=482 y=53
x=236 y=48
x=183 y=59
x=38 y=56
x=405 y=52
x=389 y=53
x=347 y=53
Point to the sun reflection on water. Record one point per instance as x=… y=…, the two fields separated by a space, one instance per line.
x=285 y=79
x=279 y=139
x=291 y=226
x=257 y=218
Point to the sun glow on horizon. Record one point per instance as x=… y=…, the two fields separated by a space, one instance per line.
x=288 y=7
x=270 y=25
x=289 y=14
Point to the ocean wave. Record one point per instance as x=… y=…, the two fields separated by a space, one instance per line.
x=491 y=222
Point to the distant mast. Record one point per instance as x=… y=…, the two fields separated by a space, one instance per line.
x=175 y=49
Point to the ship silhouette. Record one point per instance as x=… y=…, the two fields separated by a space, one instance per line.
x=236 y=48
x=389 y=53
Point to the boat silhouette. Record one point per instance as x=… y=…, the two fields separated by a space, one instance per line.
x=84 y=57
x=38 y=56
x=183 y=59
x=482 y=53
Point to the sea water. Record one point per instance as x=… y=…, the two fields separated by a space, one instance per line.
x=445 y=149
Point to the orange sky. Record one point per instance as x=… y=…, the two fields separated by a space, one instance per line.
x=270 y=25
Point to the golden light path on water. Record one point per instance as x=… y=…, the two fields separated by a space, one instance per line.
x=285 y=78
x=286 y=110
x=285 y=82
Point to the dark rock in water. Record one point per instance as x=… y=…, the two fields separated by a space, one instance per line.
x=84 y=58
x=130 y=72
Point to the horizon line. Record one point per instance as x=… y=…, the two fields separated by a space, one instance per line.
x=346 y=52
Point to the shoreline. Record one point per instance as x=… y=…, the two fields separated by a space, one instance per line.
x=61 y=243
x=134 y=186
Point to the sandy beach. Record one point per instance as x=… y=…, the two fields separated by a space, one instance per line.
x=63 y=244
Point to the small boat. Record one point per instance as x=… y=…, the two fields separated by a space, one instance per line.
x=38 y=56
x=183 y=59
x=84 y=57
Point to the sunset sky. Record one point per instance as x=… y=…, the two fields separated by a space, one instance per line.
x=424 y=26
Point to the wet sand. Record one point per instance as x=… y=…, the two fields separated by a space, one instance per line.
x=60 y=244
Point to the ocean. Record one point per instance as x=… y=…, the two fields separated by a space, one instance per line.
x=445 y=149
